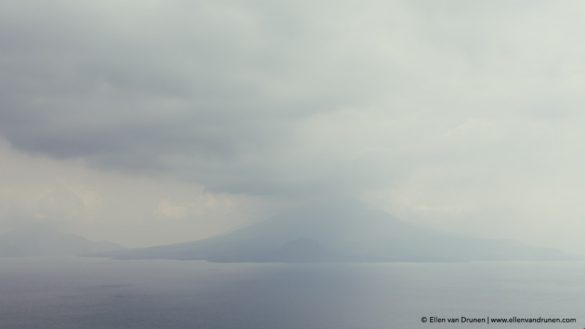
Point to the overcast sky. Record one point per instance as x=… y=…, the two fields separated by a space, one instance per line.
x=148 y=121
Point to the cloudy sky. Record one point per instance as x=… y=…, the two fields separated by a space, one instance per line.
x=148 y=121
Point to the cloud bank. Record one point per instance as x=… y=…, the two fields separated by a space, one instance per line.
x=459 y=115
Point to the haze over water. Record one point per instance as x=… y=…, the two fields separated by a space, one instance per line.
x=104 y=294
x=247 y=131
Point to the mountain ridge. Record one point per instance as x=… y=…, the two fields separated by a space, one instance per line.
x=43 y=242
x=347 y=235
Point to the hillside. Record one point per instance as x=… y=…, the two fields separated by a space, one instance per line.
x=49 y=243
x=350 y=234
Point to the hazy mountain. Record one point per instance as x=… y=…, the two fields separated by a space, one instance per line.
x=43 y=242
x=348 y=234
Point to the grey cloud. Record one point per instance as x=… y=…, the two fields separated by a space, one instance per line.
x=267 y=98
x=210 y=89
x=459 y=115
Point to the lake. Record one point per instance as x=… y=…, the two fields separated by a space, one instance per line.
x=106 y=294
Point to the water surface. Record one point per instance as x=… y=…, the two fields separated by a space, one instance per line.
x=105 y=294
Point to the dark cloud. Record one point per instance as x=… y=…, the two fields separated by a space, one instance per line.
x=288 y=97
x=455 y=114
x=205 y=91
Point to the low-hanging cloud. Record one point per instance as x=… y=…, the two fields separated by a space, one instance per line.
x=450 y=113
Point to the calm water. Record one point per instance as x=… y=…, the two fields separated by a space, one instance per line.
x=104 y=294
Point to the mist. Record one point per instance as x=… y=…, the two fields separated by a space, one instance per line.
x=150 y=122
x=291 y=164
